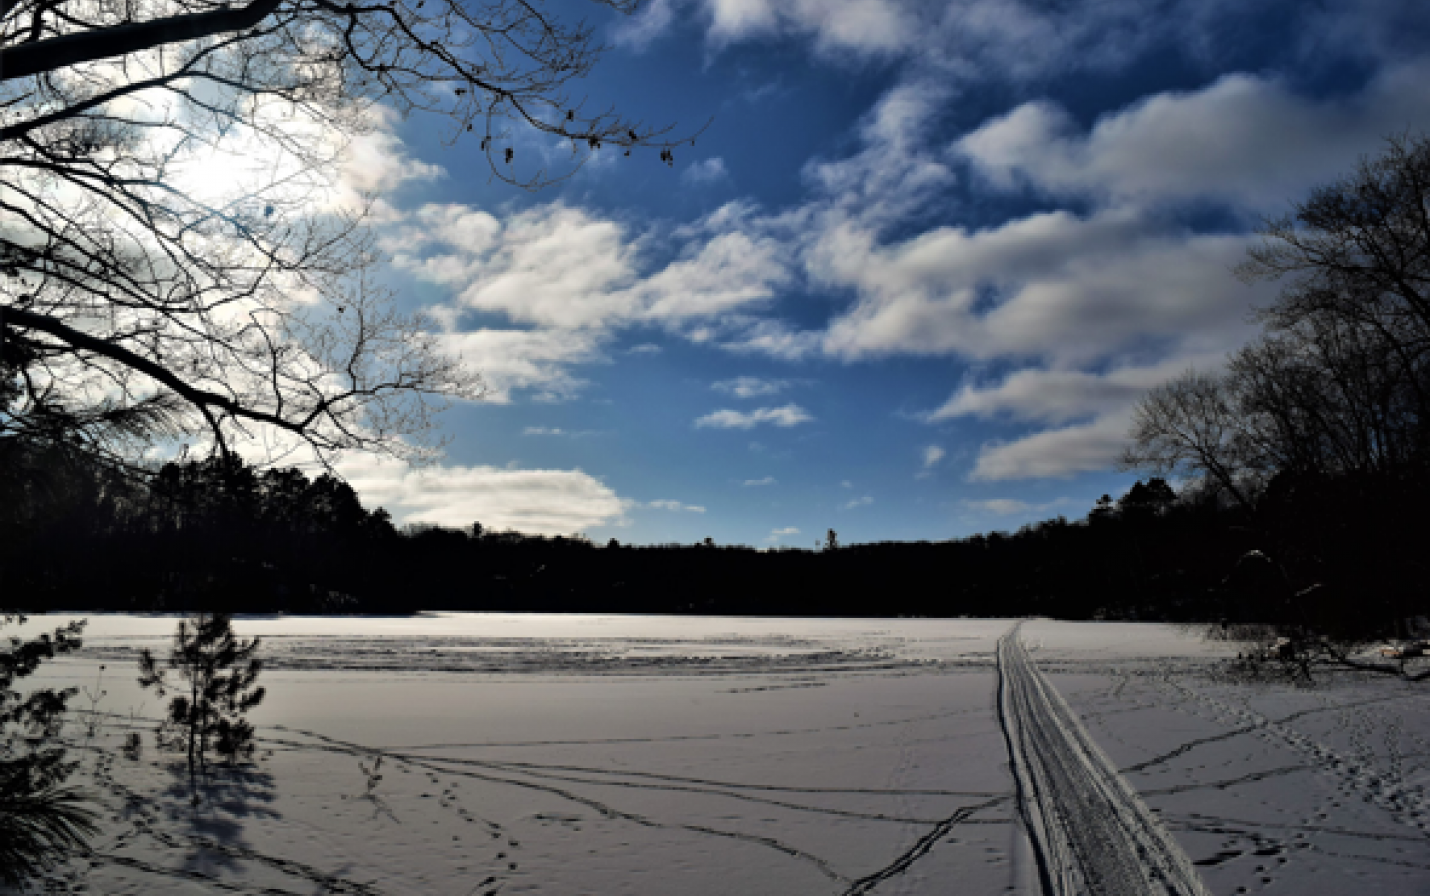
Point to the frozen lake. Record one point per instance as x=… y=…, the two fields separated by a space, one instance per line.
x=656 y=755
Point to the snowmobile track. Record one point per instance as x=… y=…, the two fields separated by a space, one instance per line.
x=1091 y=834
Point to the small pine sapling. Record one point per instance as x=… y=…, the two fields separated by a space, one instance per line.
x=95 y=723
x=373 y=776
x=219 y=671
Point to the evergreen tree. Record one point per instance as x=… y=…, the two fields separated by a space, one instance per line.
x=219 y=672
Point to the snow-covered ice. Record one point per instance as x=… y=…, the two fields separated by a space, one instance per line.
x=663 y=755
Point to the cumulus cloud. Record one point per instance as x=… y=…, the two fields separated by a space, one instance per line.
x=963 y=35
x=571 y=279
x=558 y=431
x=538 y=360
x=730 y=271
x=1022 y=40
x=560 y=267
x=667 y=504
x=896 y=172
x=639 y=31
x=1067 y=289
x=1000 y=506
x=534 y=501
x=789 y=415
x=550 y=266
x=754 y=483
x=378 y=162
x=451 y=225
x=1056 y=453
x=861 y=26
x=1011 y=506
x=932 y=455
x=750 y=386
x=1058 y=396
x=1098 y=404
x=705 y=172
x=1245 y=140
x=1053 y=285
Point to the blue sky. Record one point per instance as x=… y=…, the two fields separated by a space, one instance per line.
x=908 y=283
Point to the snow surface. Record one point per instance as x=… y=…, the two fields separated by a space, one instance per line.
x=686 y=755
x=1090 y=831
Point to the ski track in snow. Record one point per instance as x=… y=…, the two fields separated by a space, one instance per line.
x=1090 y=832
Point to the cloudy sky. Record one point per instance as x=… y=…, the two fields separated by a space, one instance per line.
x=907 y=284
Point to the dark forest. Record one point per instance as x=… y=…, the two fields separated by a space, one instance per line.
x=217 y=535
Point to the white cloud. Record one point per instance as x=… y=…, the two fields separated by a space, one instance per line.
x=971 y=38
x=1244 y=140
x=750 y=386
x=567 y=268
x=448 y=225
x=789 y=415
x=1031 y=41
x=639 y=31
x=1100 y=403
x=932 y=454
x=705 y=172
x=1058 y=396
x=533 y=501
x=1056 y=452
x=574 y=278
x=558 y=431
x=551 y=266
x=1011 y=506
x=859 y=502
x=1017 y=40
x=645 y=348
x=1068 y=289
x=377 y=162
x=777 y=534
x=1053 y=285
x=896 y=173
x=755 y=483
x=862 y=26
x=1000 y=506
x=526 y=359
x=666 y=504
x=730 y=271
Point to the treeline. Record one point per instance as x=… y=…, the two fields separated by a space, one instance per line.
x=1319 y=427
x=221 y=535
